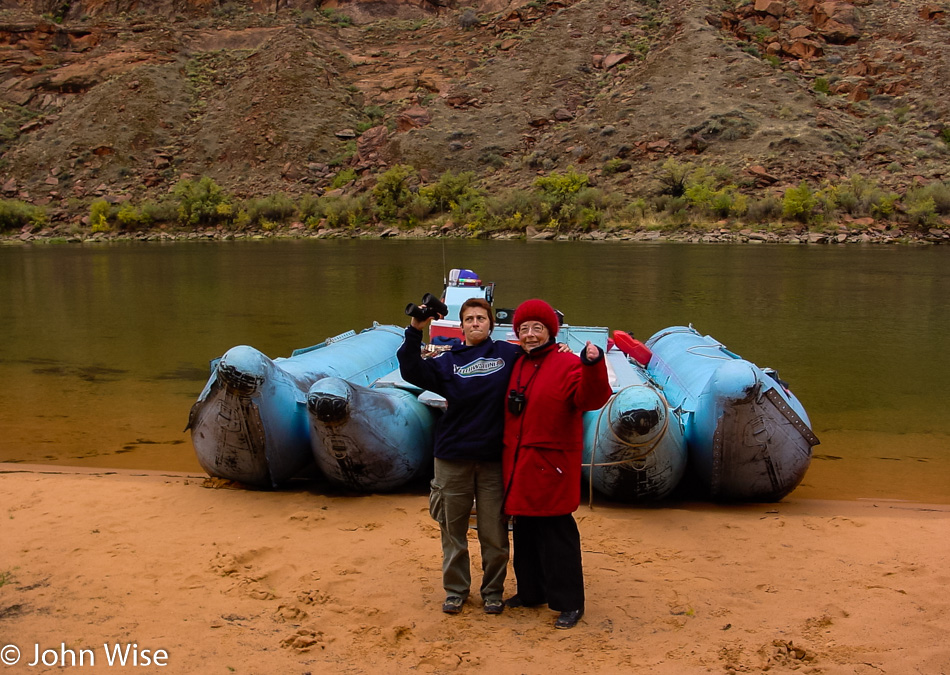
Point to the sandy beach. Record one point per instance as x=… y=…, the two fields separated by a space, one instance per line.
x=190 y=575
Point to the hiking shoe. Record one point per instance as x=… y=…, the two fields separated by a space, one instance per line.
x=453 y=604
x=569 y=619
x=494 y=607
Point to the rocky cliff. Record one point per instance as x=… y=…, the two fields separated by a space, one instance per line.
x=121 y=99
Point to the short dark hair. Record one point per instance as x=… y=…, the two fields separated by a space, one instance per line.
x=479 y=302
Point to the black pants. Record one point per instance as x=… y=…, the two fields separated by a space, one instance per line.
x=547 y=561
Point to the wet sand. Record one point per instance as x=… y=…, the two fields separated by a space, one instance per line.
x=215 y=579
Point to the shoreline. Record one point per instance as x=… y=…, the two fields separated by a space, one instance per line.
x=234 y=580
x=844 y=233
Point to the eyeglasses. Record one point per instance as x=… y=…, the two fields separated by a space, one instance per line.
x=529 y=328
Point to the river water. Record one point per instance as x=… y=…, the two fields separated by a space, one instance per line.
x=105 y=347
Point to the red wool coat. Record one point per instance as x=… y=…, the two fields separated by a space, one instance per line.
x=544 y=444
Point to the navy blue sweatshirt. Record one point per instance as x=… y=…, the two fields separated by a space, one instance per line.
x=474 y=383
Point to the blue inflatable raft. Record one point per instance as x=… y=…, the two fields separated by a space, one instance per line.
x=748 y=436
x=369 y=439
x=250 y=423
x=634 y=447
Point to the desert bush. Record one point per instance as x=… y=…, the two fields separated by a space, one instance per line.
x=712 y=193
x=884 y=205
x=616 y=165
x=512 y=210
x=938 y=192
x=348 y=152
x=920 y=208
x=337 y=17
x=858 y=196
x=674 y=176
x=275 y=208
x=558 y=193
x=101 y=213
x=343 y=177
x=630 y=212
x=350 y=211
x=764 y=210
x=393 y=196
x=164 y=211
x=799 y=203
x=198 y=202
x=452 y=191
x=131 y=218
x=561 y=186
x=14 y=214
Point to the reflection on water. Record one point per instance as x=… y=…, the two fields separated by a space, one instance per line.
x=105 y=347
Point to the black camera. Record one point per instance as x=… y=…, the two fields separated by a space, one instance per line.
x=516 y=402
x=433 y=308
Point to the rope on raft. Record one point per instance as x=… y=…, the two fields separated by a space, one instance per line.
x=641 y=457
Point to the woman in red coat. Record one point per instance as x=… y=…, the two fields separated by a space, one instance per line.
x=548 y=394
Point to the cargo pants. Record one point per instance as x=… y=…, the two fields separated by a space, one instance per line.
x=456 y=486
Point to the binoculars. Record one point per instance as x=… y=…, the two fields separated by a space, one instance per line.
x=434 y=308
x=516 y=402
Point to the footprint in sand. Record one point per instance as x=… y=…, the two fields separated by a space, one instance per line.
x=307 y=519
x=304 y=640
x=783 y=653
x=289 y=613
x=241 y=572
x=313 y=597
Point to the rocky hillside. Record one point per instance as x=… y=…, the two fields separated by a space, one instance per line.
x=121 y=99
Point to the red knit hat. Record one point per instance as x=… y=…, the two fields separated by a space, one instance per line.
x=536 y=310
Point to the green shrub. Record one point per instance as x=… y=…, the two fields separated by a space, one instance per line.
x=343 y=177
x=559 y=194
x=349 y=150
x=561 y=186
x=337 y=17
x=15 y=214
x=165 y=211
x=674 y=176
x=857 y=196
x=632 y=212
x=393 y=195
x=764 y=210
x=352 y=211
x=308 y=206
x=100 y=213
x=273 y=208
x=799 y=203
x=130 y=218
x=921 y=209
x=884 y=205
x=939 y=193
x=452 y=192
x=821 y=85
x=615 y=165
x=512 y=210
x=198 y=202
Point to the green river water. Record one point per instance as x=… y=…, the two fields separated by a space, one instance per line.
x=105 y=347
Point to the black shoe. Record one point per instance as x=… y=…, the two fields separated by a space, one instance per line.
x=515 y=601
x=494 y=607
x=453 y=604
x=569 y=619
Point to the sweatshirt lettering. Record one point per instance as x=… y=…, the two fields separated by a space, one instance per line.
x=479 y=367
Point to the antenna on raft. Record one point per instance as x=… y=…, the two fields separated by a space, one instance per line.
x=445 y=278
